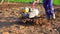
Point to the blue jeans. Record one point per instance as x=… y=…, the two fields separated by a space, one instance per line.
x=48 y=6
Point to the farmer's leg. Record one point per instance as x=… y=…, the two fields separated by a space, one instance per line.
x=45 y=2
x=51 y=9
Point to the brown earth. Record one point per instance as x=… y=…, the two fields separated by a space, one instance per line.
x=11 y=24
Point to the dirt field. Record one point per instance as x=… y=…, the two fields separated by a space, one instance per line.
x=11 y=24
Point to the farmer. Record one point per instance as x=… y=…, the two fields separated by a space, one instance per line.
x=48 y=6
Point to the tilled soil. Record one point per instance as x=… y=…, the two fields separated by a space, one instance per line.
x=10 y=23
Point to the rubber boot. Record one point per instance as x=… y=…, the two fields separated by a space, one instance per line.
x=53 y=14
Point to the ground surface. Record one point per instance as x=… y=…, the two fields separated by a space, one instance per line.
x=10 y=22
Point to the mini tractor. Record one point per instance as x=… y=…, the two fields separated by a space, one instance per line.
x=29 y=14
